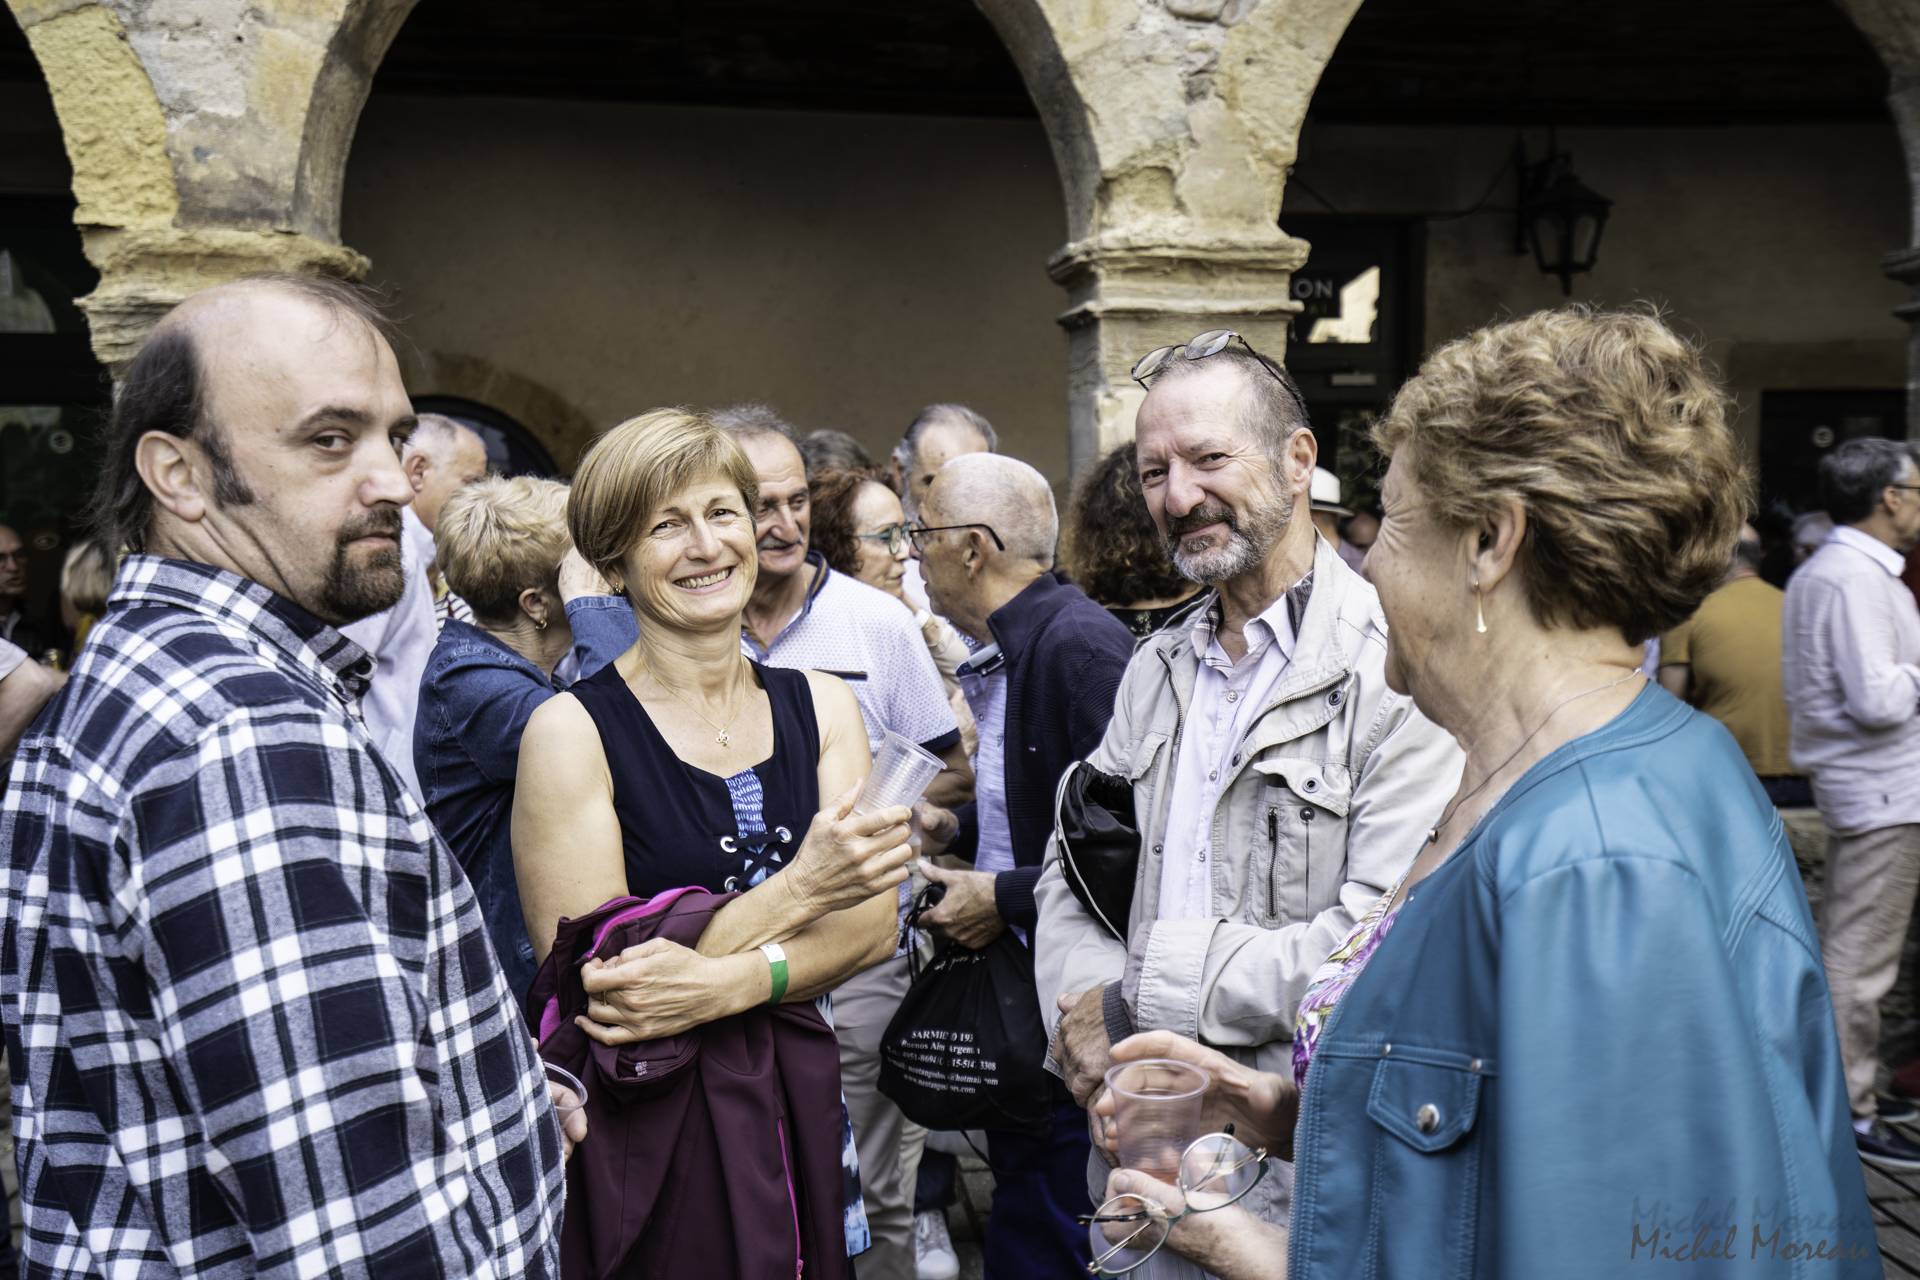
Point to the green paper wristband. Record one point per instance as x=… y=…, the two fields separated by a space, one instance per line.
x=777 y=962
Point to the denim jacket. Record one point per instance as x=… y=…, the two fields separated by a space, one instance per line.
x=1598 y=1036
x=475 y=700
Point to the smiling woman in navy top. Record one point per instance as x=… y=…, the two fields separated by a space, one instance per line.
x=684 y=763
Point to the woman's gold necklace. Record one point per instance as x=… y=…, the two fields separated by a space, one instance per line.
x=1433 y=832
x=723 y=737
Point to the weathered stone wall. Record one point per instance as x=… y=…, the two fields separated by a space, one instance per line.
x=1173 y=123
x=208 y=139
x=1893 y=27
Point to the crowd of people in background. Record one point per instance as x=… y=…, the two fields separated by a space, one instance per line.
x=423 y=871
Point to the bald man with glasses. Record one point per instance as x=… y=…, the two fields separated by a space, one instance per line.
x=1041 y=688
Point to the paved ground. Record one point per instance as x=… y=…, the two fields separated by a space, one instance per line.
x=1895 y=1197
x=967 y=1219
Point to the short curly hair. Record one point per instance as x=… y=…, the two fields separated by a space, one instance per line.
x=1112 y=549
x=1611 y=431
x=831 y=496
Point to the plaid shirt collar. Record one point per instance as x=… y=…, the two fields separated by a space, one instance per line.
x=300 y=638
x=1207 y=623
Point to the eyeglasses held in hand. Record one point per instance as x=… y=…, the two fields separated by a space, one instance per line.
x=1215 y=1171
x=1212 y=343
x=919 y=531
x=894 y=535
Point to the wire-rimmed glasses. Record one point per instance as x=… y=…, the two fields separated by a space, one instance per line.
x=1215 y=1171
x=919 y=531
x=896 y=536
x=1212 y=343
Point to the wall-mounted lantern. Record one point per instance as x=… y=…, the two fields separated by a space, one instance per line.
x=1561 y=218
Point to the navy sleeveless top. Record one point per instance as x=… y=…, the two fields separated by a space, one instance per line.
x=682 y=826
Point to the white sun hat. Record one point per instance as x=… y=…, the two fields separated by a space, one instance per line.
x=1325 y=494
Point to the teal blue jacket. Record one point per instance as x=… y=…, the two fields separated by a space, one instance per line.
x=1611 y=999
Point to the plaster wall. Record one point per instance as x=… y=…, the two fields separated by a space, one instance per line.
x=845 y=269
x=1763 y=242
x=849 y=269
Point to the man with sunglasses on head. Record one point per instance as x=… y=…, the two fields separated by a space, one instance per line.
x=1279 y=786
x=1041 y=688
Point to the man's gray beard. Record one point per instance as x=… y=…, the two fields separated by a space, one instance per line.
x=1249 y=538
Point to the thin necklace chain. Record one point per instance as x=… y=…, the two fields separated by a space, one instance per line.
x=1433 y=832
x=723 y=739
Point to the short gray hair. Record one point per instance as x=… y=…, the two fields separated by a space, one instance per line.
x=934 y=413
x=830 y=450
x=1853 y=476
x=1272 y=411
x=746 y=421
x=1007 y=494
x=437 y=429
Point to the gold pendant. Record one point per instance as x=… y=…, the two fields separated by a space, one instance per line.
x=722 y=739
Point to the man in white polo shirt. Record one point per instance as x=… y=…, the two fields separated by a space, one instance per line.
x=803 y=614
x=1850 y=645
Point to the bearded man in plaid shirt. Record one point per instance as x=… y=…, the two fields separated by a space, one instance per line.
x=255 y=1023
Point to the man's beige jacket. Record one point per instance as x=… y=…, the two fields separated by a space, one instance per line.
x=1331 y=795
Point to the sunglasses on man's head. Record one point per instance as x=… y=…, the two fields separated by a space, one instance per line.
x=1212 y=343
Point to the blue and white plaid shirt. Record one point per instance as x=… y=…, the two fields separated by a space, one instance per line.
x=255 y=1022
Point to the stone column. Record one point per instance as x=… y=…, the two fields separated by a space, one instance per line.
x=1125 y=300
x=1173 y=125
x=208 y=140
x=1904 y=264
x=1893 y=27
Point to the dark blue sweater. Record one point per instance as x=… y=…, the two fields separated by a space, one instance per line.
x=1065 y=656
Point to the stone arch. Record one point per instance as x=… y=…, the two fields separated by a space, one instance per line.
x=208 y=141
x=1173 y=125
x=562 y=430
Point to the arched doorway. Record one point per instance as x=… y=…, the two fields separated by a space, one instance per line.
x=840 y=210
x=53 y=393
x=512 y=450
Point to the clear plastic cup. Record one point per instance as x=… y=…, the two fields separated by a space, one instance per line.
x=901 y=772
x=566 y=1080
x=1156 y=1110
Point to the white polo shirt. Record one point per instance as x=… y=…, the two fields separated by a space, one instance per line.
x=867 y=638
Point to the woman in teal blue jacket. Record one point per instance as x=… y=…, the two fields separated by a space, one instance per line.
x=1589 y=1031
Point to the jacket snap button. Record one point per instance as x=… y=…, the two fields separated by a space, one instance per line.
x=1236 y=760
x=1157 y=848
x=1306 y=815
x=1311 y=784
x=1387 y=1051
x=1475 y=1068
x=1427 y=1118
x=1333 y=699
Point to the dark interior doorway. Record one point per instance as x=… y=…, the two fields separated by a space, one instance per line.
x=1798 y=428
x=512 y=450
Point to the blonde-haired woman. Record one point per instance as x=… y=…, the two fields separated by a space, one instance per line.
x=685 y=764
x=86 y=579
x=499 y=546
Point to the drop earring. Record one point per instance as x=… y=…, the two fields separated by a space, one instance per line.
x=1479 y=613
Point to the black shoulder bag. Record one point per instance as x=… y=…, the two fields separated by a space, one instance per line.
x=967 y=1049
x=1099 y=845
